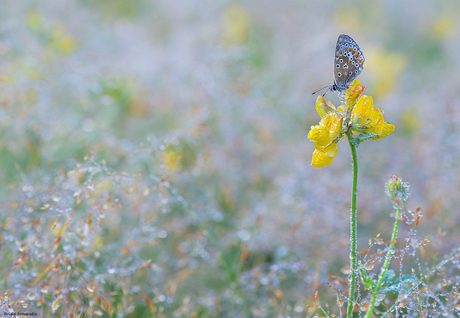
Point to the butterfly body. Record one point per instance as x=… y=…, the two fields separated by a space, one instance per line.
x=348 y=63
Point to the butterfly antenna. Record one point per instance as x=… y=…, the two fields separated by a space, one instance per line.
x=328 y=88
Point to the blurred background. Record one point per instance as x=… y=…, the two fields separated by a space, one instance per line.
x=154 y=155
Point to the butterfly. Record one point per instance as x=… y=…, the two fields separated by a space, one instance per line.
x=348 y=64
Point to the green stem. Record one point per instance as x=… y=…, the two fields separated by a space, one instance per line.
x=353 y=226
x=390 y=252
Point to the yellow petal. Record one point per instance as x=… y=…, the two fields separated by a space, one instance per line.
x=320 y=159
x=363 y=108
x=375 y=122
x=319 y=135
x=353 y=93
x=341 y=109
x=321 y=106
x=387 y=130
x=330 y=105
x=333 y=124
x=330 y=150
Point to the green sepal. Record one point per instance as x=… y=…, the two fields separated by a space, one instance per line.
x=361 y=137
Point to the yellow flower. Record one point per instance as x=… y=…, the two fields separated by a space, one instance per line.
x=367 y=119
x=324 y=137
x=358 y=118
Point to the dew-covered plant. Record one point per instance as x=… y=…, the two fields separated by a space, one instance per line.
x=374 y=292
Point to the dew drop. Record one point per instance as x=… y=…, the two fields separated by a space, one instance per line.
x=31 y=296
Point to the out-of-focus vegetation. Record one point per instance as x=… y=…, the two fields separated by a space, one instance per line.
x=154 y=159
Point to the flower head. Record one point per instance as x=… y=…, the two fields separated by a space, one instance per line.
x=397 y=191
x=324 y=137
x=367 y=119
x=357 y=115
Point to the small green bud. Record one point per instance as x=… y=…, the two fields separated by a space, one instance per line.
x=397 y=191
x=390 y=187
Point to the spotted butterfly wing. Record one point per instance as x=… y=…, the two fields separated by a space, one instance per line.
x=349 y=62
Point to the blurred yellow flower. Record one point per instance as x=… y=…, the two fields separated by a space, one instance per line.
x=34 y=20
x=97 y=244
x=386 y=68
x=348 y=17
x=358 y=115
x=170 y=159
x=55 y=33
x=409 y=121
x=235 y=23
x=61 y=42
x=446 y=25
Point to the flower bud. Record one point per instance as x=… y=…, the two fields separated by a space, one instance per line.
x=397 y=191
x=353 y=93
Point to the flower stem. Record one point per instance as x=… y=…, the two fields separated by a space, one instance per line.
x=353 y=226
x=390 y=252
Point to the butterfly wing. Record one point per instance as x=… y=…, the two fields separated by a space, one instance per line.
x=348 y=60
